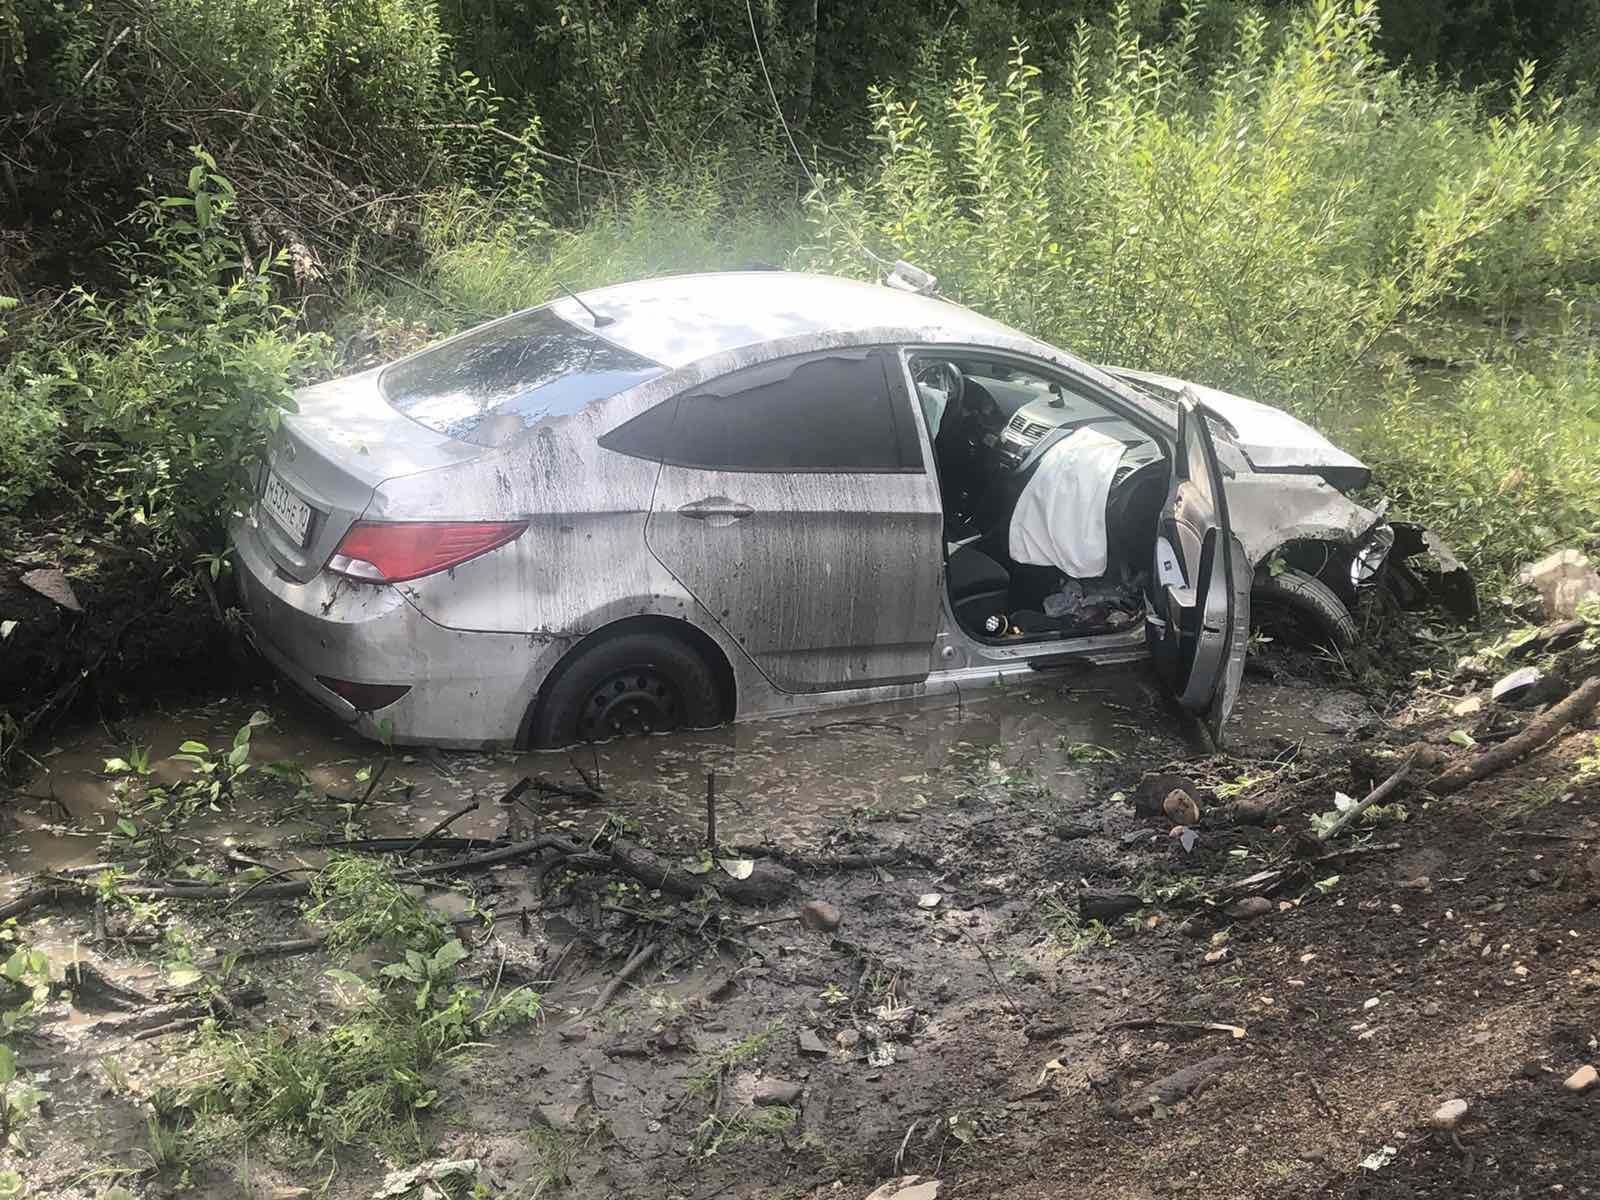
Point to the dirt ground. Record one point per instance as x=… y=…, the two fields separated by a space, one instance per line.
x=965 y=1021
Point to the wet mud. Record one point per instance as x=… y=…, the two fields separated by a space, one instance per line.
x=966 y=1019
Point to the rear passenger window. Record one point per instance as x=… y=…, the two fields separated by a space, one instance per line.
x=833 y=412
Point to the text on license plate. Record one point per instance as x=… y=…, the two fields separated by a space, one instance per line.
x=287 y=509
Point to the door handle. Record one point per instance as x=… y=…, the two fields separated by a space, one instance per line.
x=719 y=509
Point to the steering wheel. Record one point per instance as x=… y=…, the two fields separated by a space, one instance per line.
x=946 y=377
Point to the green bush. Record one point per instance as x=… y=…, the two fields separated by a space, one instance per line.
x=168 y=388
x=30 y=431
x=1507 y=467
x=1260 y=225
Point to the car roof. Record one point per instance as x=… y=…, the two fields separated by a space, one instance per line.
x=680 y=319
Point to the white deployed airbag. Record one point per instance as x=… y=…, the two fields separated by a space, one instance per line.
x=1060 y=518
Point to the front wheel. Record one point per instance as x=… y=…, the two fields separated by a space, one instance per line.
x=634 y=683
x=1298 y=610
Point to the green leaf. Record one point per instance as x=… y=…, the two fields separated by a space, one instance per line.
x=8 y=1065
x=127 y=828
x=180 y=977
x=1462 y=738
x=117 y=766
x=448 y=955
x=239 y=754
x=194 y=748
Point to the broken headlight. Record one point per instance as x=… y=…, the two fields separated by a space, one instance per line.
x=1368 y=560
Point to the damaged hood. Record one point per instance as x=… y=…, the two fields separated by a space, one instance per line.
x=1269 y=437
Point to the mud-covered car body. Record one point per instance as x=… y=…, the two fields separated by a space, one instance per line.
x=737 y=463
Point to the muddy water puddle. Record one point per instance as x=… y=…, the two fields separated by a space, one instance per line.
x=783 y=780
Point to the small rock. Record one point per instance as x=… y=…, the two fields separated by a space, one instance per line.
x=1582 y=1079
x=53 y=586
x=719 y=989
x=1432 y=1008
x=1468 y=707
x=1218 y=955
x=907 y=1187
x=848 y=1038
x=1448 y=1115
x=572 y=1033
x=1563 y=580
x=1249 y=908
x=1220 y=938
x=810 y=1043
x=929 y=900
x=1149 y=798
x=1071 y=831
x=1181 y=808
x=776 y=1091
x=1420 y=884
x=1194 y=927
x=1259 y=809
x=820 y=917
x=1516 y=685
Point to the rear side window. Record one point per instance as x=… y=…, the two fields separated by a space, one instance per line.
x=834 y=412
x=502 y=378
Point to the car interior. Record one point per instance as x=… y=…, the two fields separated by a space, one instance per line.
x=1019 y=454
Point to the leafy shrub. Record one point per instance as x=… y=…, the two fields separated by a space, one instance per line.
x=30 y=429
x=169 y=387
x=1506 y=468
x=1261 y=225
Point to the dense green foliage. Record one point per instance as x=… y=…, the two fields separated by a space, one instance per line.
x=1283 y=198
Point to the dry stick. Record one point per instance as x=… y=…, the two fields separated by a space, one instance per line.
x=372 y=781
x=279 y=874
x=1376 y=796
x=1540 y=730
x=561 y=789
x=442 y=826
x=629 y=969
x=711 y=811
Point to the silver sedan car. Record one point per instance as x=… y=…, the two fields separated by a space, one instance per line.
x=696 y=499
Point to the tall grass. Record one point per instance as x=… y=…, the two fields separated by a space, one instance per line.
x=1265 y=225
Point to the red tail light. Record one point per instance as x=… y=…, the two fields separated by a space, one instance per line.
x=389 y=551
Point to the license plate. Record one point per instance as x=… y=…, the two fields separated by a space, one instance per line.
x=288 y=510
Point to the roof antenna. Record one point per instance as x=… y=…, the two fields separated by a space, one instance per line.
x=599 y=321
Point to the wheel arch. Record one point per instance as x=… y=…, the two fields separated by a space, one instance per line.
x=684 y=631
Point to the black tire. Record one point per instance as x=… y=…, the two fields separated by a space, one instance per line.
x=633 y=683
x=1297 y=609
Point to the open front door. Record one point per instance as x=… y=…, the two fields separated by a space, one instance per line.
x=1199 y=618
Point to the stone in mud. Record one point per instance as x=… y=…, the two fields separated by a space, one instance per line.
x=1448 y=1115
x=1249 y=908
x=776 y=1091
x=907 y=1187
x=1071 y=831
x=1180 y=807
x=820 y=917
x=810 y=1043
x=1582 y=1079
x=1514 y=687
x=53 y=586
x=1260 y=809
x=1151 y=794
x=767 y=883
x=1195 y=927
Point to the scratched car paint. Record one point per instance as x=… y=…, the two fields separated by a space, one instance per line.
x=702 y=498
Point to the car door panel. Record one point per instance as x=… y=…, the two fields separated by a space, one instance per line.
x=795 y=504
x=1199 y=621
x=827 y=581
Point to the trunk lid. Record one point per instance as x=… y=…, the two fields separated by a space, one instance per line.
x=327 y=459
x=1270 y=438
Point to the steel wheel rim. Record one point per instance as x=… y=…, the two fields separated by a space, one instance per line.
x=634 y=701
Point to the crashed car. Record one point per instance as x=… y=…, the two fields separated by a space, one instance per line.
x=694 y=499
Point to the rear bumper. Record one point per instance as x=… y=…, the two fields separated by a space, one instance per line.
x=467 y=688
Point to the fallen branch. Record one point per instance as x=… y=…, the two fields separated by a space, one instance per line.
x=1578 y=704
x=1378 y=794
x=629 y=970
x=471 y=807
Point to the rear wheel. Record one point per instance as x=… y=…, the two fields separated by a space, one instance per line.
x=631 y=684
x=1296 y=610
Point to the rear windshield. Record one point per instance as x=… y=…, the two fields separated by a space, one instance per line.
x=490 y=384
